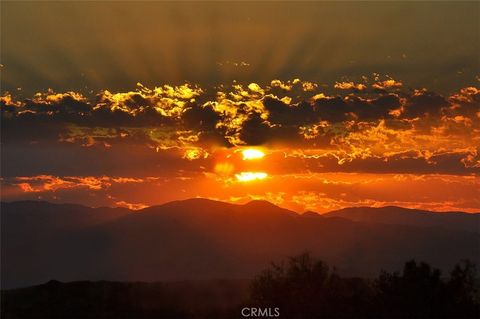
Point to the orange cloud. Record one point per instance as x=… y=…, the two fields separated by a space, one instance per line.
x=349 y=86
x=45 y=183
x=387 y=84
x=132 y=206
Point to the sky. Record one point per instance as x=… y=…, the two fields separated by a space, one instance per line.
x=310 y=105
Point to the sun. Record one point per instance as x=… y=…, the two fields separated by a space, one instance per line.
x=252 y=154
x=250 y=176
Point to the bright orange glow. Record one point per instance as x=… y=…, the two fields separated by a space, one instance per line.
x=251 y=154
x=250 y=176
x=224 y=168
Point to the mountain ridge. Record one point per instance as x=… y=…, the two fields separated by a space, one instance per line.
x=401 y=207
x=204 y=239
x=198 y=207
x=406 y=216
x=201 y=199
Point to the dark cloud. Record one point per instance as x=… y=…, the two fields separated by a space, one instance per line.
x=202 y=118
x=422 y=103
x=374 y=109
x=284 y=114
x=332 y=109
x=255 y=130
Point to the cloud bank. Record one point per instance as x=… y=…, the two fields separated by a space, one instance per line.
x=380 y=124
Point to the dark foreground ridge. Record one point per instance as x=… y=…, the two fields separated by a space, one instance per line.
x=300 y=287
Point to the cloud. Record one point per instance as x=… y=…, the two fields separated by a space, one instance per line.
x=387 y=84
x=355 y=129
x=350 y=86
x=424 y=103
x=132 y=206
x=44 y=183
x=281 y=113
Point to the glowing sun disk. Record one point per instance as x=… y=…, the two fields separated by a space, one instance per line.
x=250 y=176
x=251 y=153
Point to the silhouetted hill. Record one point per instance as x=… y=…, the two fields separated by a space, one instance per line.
x=45 y=214
x=412 y=217
x=105 y=299
x=204 y=239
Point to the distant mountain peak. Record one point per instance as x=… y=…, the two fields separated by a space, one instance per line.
x=189 y=205
x=264 y=206
x=261 y=203
x=310 y=213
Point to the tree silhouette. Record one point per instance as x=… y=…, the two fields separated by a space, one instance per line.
x=418 y=292
x=305 y=288
x=463 y=289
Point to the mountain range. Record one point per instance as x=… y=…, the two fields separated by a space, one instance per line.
x=200 y=239
x=412 y=217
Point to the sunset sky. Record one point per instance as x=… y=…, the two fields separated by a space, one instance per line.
x=312 y=105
